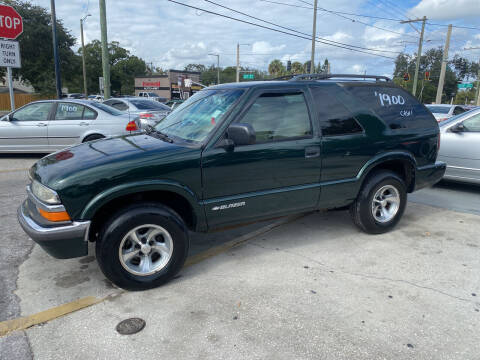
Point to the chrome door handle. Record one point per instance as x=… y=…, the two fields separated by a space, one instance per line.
x=312 y=151
x=41 y=124
x=83 y=123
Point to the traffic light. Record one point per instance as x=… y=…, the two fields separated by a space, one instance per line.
x=427 y=75
x=289 y=65
x=406 y=76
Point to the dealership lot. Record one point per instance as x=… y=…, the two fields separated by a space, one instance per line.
x=311 y=287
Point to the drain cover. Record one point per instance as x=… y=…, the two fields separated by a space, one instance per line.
x=130 y=326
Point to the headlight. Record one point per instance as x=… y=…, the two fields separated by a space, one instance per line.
x=44 y=194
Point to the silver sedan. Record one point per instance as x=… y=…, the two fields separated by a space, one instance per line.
x=150 y=112
x=460 y=147
x=51 y=125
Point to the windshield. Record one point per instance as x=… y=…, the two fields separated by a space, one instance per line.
x=195 y=118
x=438 y=109
x=106 y=108
x=149 y=105
x=458 y=117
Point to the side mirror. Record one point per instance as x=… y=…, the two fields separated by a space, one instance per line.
x=457 y=128
x=241 y=134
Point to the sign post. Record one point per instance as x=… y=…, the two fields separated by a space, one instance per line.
x=11 y=26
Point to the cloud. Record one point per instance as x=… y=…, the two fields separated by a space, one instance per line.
x=446 y=9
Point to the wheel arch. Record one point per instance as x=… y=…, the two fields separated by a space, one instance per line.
x=90 y=133
x=402 y=163
x=178 y=198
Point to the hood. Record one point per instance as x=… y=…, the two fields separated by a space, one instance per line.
x=103 y=159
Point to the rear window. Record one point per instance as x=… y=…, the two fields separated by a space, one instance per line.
x=438 y=109
x=149 y=105
x=397 y=108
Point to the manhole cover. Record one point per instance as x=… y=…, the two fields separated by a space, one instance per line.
x=130 y=326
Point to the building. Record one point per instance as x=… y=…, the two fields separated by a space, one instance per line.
x=170 y=86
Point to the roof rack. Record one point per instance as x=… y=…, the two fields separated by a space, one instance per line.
x=329 y=76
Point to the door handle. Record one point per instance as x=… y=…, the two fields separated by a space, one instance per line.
x=83 y=123
x=312 y=151
x=41 y=124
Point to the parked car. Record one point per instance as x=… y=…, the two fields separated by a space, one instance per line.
x=73 y=96
x=173 y=104
x=443 y=112
x=150 y=112
x=232 y=154
x=151 y=96
x=98 y=98
x=460 y=138
x=47 y=126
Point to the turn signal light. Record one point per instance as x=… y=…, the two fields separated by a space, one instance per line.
x=131 y=126
x=54 y=216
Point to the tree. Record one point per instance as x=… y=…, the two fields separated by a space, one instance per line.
x=276 y=68
x=297 y=67
x=37 y=50
x=195 y=67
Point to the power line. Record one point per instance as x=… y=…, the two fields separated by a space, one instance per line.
x=277 y=30
x=299 y=32
x=368 y=16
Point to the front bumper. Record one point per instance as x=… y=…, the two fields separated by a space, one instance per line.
x=429 y=175
x=63 y=241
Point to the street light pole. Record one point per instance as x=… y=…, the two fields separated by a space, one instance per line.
x=314 y=35
x=218 y=67
x=58 y=80
x=477 y=92
x=82 y=20
x=238 y=61
x=105 y=55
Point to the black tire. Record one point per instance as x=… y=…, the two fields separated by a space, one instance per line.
x=124 y=221
x=93 y=137
x=361 y=210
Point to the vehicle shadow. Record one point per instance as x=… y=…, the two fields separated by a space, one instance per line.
x=458 y=186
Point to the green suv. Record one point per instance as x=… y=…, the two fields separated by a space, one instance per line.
x=233 y=154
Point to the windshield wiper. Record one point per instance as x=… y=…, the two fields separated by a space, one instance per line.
x=162 y=136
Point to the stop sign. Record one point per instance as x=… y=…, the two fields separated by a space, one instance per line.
x=11 y=24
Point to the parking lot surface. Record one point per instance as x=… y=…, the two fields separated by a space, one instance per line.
x=312 y=288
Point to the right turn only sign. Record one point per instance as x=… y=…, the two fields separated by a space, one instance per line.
x=9 y=54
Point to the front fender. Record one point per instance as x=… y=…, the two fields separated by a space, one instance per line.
x=141 y=186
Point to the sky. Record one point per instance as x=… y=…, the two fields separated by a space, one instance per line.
x=171 y=36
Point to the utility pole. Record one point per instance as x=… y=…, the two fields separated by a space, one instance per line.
x=238 y=62
x=218 y=66
x=419 y=52
x=477 y=92
x=438 y=99
x=314 y=35
x=105 y=55
x=83 y=56
x=58 y=80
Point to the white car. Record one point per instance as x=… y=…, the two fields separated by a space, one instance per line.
x=460 y=147
x=97 y=98
x=443 y=112
x=151 y=96
x=51 y=125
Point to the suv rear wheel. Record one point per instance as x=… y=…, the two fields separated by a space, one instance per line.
x=142 y=246
x=380 y=203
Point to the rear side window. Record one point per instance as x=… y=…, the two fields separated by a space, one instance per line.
x=397 y=108
x=335 y=118
x=458 y=110
x=279 y=116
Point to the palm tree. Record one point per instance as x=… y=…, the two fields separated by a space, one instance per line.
x=297 y=67
x=276 y=68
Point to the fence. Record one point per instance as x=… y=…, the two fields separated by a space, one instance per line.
x=20 y=100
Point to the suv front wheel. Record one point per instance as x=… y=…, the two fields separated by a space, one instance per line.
x=142 y=246
x=380 y=203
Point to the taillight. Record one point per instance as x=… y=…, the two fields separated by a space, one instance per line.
x=131 y=126
x=146 y=116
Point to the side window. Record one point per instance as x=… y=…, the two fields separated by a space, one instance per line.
x=69 y=111
x=33 y=112
x=89 y=114
x=472 y=124
x=393 y=105
x=335 y=119
x=458 y=110
x=277 y=116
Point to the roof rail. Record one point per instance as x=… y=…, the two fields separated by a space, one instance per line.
x=329 y=76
